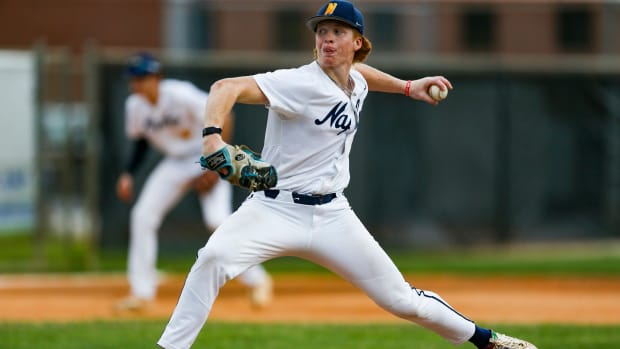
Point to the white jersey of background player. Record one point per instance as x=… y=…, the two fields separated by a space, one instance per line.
x=314 y=113
x=167 y=114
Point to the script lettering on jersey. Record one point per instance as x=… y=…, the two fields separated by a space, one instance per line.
x=337 y=118
x=167 y=120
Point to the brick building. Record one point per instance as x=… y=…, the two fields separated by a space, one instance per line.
x=422 y=26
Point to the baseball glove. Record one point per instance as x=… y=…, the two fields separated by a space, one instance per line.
x=242 y=167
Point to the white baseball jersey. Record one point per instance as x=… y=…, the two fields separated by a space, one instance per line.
x=173 y=126
x=312 y=156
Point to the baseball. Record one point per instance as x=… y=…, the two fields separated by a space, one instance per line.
x=436 y=93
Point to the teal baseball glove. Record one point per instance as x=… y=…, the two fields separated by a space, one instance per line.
x=242 y=167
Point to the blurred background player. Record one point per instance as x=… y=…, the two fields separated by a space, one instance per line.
x=168 y=115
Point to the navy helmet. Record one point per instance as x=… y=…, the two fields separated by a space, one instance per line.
x=338 y=10
x=143 y=64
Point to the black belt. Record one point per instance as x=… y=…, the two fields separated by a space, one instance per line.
x=303 y=199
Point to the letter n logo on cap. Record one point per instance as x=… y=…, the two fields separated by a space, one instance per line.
x=330 y=9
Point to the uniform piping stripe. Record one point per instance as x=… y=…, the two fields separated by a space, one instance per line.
x=421 y=293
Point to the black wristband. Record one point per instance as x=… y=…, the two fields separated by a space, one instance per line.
x=211 y=130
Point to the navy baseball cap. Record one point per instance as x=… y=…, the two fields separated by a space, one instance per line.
x=338 y=10
x=143 y=64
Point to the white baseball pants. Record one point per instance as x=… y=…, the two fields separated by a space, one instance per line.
x=330 y=235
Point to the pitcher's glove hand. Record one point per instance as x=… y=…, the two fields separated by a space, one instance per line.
x=241 y=166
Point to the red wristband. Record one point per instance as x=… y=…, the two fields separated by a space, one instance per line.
x=407 y=87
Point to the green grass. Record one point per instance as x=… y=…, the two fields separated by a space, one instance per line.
x=218 y=335
x=572 y=260
x=23 y=253
x=600 y=260
x=20 y=253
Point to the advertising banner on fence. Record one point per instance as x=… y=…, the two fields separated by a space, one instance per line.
x=17 y=132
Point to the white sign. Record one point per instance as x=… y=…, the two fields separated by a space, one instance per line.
x=17 y=132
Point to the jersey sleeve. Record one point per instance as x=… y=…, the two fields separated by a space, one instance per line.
x=288 y=90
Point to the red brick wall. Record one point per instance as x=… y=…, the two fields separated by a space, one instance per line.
x=524 y=26
x=72 y=22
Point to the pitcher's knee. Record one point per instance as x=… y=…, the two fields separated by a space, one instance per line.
x=208 y=256
x=407 y=307
x=216 y=259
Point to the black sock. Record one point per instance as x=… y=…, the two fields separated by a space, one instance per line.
x=481 y=337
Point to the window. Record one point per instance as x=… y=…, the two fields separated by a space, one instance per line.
x=200 y=27
x=384 y=34
x=478 y=29
x=290 y=34
x=574 y=29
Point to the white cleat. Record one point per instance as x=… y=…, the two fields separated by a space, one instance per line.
x=262 y=293
x=501 y=341
x=132 y=303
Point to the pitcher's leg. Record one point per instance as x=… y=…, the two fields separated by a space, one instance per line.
x=217 y=263
x=250 y=236
x=201 y=288
x=423 y=307
x=216 y=207
x=365 y=264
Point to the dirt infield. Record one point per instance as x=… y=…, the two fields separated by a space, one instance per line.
x=318 y=298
